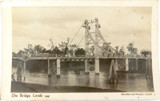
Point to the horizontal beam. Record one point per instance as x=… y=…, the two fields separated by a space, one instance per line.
x=71 y=58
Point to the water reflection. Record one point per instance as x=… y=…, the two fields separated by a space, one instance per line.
x=114 y=85
x=132 y=82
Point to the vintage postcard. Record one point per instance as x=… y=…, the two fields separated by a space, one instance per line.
x=80 y=50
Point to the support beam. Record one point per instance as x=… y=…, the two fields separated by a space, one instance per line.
x=96 y=44
x=146 y=62
x=112 y=71
x=74 y=52
x=86 y=66
x=24 y=66
x=97 y=65
x=148 y=72
x=86 y=25
x=24 y=69
x=127 y=65
x=49 y=69
x=58 y=67
x=136 y=64
x=54 y=67
x=116 y=65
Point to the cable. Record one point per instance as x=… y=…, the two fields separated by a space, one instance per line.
x=80 y=40
x=75 y=35
x=105 y=40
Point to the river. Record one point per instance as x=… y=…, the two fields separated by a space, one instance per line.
x=130 y=82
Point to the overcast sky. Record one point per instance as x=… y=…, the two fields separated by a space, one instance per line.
x=119 y=25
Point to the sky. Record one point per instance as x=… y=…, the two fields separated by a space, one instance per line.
x=119 y=25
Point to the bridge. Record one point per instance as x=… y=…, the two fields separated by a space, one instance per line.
x=102 y=50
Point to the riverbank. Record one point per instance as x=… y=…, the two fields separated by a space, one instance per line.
x=29 y=87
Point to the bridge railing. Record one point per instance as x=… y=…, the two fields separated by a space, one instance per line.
x=64 y=55
x=42 y=55
x=45 y=55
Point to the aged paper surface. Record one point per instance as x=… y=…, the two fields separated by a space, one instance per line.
x=81 y=50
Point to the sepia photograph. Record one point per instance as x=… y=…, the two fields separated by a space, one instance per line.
x=81 y=49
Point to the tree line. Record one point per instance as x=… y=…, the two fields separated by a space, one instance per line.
x=61 y=49
x=66 y=49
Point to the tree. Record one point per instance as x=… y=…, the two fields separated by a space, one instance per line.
x=26 y=50
x=14 y=54
x=38 y=48
x=131 y=49
x=20 y=52
x=56 y=50
x=145 y=52
x=73 y=46
x=80 y=52
x=44 y=50
x=64 y=46
x=51 y=44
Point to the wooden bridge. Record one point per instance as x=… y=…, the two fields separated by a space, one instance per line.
x=96 y=60
x=102 y=50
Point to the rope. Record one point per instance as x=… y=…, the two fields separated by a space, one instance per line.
x=75 y=35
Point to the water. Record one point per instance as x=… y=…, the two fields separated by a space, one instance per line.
x=131 y=82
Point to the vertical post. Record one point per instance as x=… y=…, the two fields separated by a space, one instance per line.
x=73 y=52
x=146 y=72
x=111 y=70
x=58 y=67
x=36 y=53
x=96 y=47
x=86 y=66
x=24 y=66
x=53 y=67
x=146 y=62
x=116 y=65
x=49 y=69
x=24 y=69
x=86 y=37
x=136 y=64
x=150 y=67
x=96 y=51
x=127 y=67
x=97 y=65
